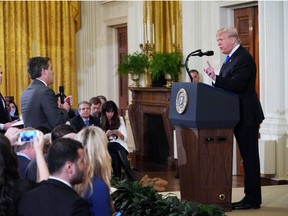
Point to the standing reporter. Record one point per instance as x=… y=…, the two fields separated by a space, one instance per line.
x=238 y=75
x=38 y=102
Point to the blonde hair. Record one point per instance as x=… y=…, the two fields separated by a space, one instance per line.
x=97 y=157
x=231 y=31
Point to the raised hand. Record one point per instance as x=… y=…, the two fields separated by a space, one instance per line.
x=210 y=71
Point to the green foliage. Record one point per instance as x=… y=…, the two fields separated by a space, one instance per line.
x=135 y=63
x=164 y=62
x=133 y=199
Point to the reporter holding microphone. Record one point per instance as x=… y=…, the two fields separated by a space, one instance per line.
x=38 y=104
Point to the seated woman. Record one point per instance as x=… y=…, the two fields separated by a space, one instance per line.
x=115 y=129
x=96 y=186
x=14 y=113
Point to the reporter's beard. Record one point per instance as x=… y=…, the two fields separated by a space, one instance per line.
x=78 y=177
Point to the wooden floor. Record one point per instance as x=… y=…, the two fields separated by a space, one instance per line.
x=157 y=171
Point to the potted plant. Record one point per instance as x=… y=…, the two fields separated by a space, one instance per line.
x=131 y=198
x=134 y=64
x=174 y=64
x=166 y=64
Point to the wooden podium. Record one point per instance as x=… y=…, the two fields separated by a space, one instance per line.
x=204 y=118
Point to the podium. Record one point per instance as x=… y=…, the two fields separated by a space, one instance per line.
x=204 y=118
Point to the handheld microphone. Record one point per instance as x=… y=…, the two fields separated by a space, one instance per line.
x=62 y=96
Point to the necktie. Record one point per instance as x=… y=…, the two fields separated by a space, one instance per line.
x=227 y=58
x=86 y=122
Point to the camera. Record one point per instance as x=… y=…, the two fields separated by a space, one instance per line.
x=28 y=136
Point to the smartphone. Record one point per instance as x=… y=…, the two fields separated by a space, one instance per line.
x=118 y=214
x=28 y=136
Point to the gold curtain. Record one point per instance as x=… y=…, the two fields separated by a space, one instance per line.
x=167 y=19
x=44 y=28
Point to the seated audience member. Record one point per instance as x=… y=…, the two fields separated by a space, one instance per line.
x=84 y=118
x=56 y=196
x=13 y=110
x=47 y=143
x=11 y=185
x=115 y=129
x=72 y=112
x=25 y=153
x=96 y=185
x=57 y=132
x=195 y=76
x=103 y=100
x=95 y=106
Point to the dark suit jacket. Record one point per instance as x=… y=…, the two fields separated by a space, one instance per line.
x=31 y=170
x=77 y=122
x=50 y=198
x=39 y=107
x=22 y=165
x=238 y=76
x=4 y=114
x=19 y=186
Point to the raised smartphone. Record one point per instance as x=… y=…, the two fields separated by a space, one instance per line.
x=28 y=136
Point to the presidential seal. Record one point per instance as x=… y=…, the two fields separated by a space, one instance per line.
x=181 y=100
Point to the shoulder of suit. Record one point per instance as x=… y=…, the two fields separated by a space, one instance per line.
x=93 y=117
x=76 y=118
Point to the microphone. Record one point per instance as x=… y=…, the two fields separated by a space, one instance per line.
x=208 y=53
x=196 y=53
x=62 y=96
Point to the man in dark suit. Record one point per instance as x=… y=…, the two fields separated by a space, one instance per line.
x=96 y=106
x=25 y=153
x=84 y=118
x=56 y=195
x=56 y=133
x=238 y=75
x=5 y=121
x=38 y=102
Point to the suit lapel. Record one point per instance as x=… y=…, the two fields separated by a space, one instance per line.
x=226 y=68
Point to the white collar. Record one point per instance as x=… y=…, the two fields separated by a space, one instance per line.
x=61 y=180
x=233 y=50
x=42 y=81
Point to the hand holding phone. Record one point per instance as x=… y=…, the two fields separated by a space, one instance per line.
x=12 y=134
x=38 y=142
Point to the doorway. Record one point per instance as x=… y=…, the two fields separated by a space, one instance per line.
x=246 y=22
x=123 y=80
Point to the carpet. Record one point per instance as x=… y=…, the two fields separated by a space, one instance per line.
x=274 y=201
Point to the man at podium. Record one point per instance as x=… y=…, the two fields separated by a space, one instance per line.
x=238 y=75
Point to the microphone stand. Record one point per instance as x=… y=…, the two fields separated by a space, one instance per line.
x=194 y=53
